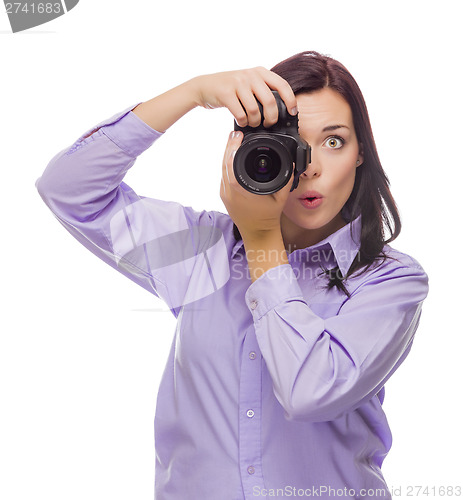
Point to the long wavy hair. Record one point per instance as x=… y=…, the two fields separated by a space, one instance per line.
x=371 y=197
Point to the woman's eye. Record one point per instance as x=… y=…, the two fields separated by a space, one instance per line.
x=334 y=142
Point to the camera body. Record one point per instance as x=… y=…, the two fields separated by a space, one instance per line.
x=263 y=164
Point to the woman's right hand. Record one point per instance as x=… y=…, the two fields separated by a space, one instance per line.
x=238 y=91
x=235 y=90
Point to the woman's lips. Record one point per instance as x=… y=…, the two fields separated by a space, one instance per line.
x=311 y=199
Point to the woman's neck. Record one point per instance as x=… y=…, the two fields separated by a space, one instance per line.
x=296 y=237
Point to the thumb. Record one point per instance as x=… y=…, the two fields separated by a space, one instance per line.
x=283 y=193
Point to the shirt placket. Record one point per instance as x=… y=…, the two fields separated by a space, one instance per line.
x=250 y=417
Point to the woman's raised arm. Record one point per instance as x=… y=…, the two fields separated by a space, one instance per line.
x=235 y=90
x=83 y=186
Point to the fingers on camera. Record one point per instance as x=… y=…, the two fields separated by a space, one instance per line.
x=251 y=115
x=269 y=108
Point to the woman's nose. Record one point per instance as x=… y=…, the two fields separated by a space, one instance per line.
x=312 y=170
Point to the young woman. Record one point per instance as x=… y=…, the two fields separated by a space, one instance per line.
x=292 y=314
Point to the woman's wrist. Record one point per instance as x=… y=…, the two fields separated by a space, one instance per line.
x=264 y=250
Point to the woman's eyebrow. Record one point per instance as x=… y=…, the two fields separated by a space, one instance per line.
x=333 y=127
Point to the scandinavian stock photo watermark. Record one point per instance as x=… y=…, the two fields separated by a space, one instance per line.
x=324 y=491
x=199 y=255
x=30 y=13
x=304 y=263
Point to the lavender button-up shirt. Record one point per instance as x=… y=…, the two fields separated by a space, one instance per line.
x=272 y=388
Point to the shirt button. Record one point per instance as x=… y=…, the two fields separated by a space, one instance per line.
x=253 y=304
x=252 y=355
x=250 y=413
x=251 y=470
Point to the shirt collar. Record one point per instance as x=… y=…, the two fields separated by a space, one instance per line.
x=344 y=245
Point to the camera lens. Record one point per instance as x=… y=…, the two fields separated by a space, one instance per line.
x=262 y=164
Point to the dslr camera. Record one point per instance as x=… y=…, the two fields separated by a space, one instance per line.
x=263 y=164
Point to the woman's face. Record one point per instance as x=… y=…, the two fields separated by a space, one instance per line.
x=325 y=122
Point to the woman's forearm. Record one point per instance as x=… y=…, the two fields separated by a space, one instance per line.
x=164 y=110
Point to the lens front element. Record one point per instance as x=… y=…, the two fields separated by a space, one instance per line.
x=263 y=164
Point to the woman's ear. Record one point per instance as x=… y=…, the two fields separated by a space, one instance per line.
x=360 y=157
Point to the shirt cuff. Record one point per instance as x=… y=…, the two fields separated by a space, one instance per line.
x=277 y=285
x=130 y=133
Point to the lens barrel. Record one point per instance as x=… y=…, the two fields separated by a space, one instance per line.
x=262 y=164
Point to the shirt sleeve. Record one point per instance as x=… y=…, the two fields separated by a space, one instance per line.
x=323 y=368
x=160 y=245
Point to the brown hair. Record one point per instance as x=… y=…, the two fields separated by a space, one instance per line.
x=371 y=197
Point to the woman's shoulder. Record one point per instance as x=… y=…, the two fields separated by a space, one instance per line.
x=396 y=269
x=394 y=264
x=398 y=258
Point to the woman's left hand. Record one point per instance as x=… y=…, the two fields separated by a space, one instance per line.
x=252 y=213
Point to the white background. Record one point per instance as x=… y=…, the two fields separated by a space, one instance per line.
x=82 y=348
